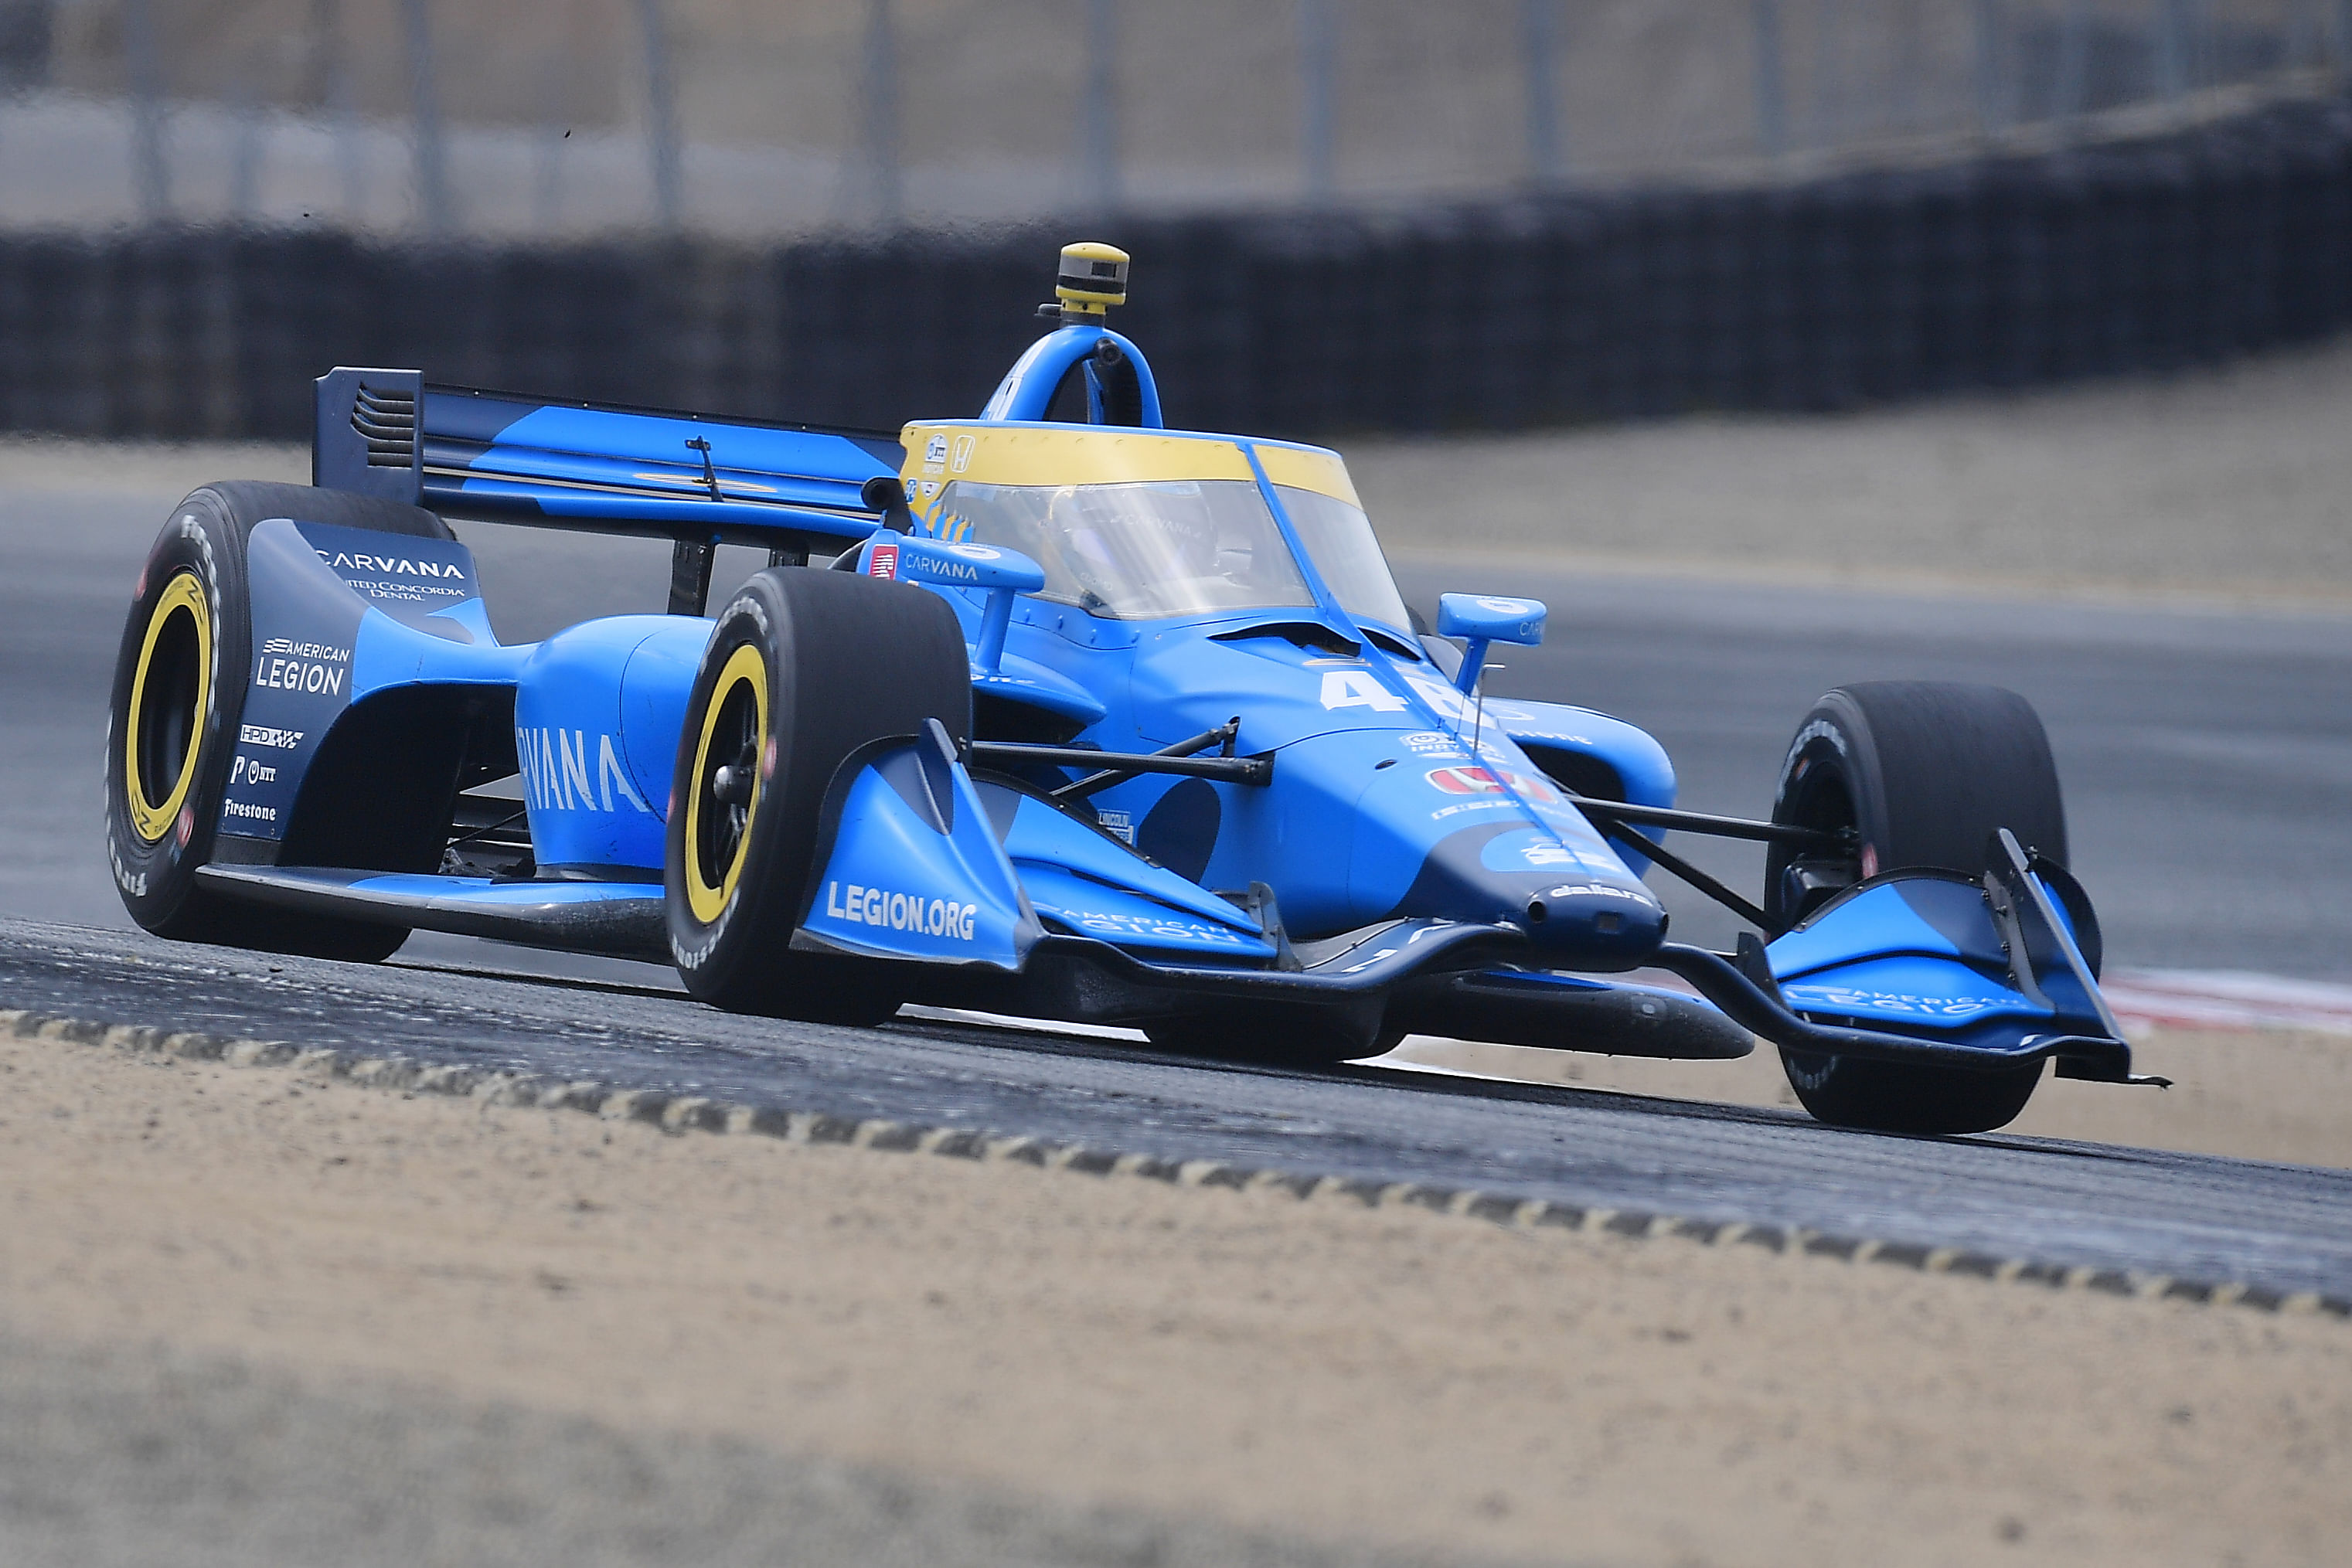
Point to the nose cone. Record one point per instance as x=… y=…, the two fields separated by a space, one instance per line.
x=1580 y=908
x=1594 y=923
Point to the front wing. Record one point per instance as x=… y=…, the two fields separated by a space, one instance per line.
x=974 y=891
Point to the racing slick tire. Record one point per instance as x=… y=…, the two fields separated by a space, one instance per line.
x=803 y=669
x=1922 y=772
x=177 y=700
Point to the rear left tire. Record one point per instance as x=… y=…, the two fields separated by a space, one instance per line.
x=180 y=681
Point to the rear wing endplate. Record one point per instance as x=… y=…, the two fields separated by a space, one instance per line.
x=598 y=468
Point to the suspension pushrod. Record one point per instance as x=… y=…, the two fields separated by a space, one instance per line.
x=1690 y=874
x=1715 y=827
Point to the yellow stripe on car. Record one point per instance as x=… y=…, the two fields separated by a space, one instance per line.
x=991 y=454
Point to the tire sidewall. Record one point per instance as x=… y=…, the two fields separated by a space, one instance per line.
x=206 y=537
x=1836 y=745
x=711 y=954
x=157 y=880
x=1833 y=746
x=849 y=660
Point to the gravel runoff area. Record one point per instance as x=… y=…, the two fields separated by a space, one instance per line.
x=254 y=1317
x=2252 y=1094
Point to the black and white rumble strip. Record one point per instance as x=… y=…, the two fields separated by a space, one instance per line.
x=683 y=1113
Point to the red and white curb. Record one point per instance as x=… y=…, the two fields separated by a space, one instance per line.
x=2226 y=1000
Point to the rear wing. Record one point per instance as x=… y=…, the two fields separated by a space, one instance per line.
x=601 y=468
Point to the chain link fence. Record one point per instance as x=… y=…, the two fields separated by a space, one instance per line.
x=728 y=118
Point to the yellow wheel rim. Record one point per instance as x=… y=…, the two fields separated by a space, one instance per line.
x=156 y=759
x=718 y=841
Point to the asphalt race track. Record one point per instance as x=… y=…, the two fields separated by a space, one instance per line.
x=2285 y=1228
x=2206 y=756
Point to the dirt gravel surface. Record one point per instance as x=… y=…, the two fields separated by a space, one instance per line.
x=721 y=1337
x=142 y=1456
x=2255 y=1095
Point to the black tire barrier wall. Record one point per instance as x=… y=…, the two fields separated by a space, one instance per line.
x=2153 y=256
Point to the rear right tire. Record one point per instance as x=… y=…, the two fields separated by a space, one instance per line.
x=1921 y=773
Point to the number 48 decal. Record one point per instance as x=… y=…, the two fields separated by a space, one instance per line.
x=1359 y=689
x=1362 y=688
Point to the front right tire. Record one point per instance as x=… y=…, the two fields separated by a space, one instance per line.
x=1920 y=773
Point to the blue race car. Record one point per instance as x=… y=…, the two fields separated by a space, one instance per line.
x=1086 y=720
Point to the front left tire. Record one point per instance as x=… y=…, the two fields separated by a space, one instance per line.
x=803 y=669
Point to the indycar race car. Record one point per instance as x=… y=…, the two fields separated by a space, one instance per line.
x=1054 y=713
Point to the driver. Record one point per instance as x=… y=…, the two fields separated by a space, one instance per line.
x=1134 y=546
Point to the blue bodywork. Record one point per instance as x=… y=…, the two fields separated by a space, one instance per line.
x=1406 y=856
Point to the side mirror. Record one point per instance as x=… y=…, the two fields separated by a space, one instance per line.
x=1482 y=619
x=1001 y=573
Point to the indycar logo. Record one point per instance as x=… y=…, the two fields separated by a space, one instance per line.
x=900 y=911
x=554 y=766
x=261 y=734
x=882 y=562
